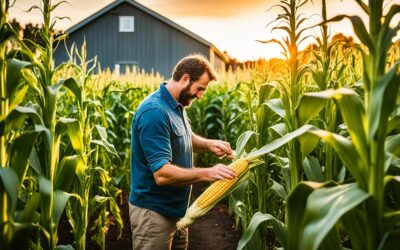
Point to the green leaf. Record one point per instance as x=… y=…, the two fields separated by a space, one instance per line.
x=392 y=144
x=295 y=210
x=73 y=86
x=64 y=247
x=278 y=129
x=324 y=208
x=15 y=119
x=347 y=153
x=394 y=123
x=256 y=220
x=236 y=197
x=106 y=145
x=17 y=99
x=354 y=223
x=383 y=100
x=313 y=170
x=332 y=240
x=66 y=172
x=45 y=193
x=391 y=240
x=392 y=218
x=280 y=142
x=279 y=190
x=264 y=93
x=10 y=183
x=35 y=162
x=14 y=75
x=20 y=152
x=74 y=130
x=353 y=113
x=60 y=199
x=276 y=105
x=359 y=29
x=309 y=106
x=308 y=142
x=341 y=175
x=242 y=142
x=29 y=212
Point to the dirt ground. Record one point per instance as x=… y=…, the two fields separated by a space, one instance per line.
x=214 y=231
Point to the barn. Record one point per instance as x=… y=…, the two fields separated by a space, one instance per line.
x=126 y=33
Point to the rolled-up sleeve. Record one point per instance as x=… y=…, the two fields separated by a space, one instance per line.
x=154 y=136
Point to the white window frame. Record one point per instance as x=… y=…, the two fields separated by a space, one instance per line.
x=123 y=19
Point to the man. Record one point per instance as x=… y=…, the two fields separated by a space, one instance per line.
x=161 y=157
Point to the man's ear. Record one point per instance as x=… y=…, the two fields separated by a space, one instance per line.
x=185 y=78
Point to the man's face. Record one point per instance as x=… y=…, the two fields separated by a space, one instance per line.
x=193 y=90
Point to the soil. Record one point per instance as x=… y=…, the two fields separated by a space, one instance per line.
x=214 y=231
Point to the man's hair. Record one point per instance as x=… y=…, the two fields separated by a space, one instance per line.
x=195 y=65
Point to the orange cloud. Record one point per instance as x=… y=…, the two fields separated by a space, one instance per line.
x=205 y=8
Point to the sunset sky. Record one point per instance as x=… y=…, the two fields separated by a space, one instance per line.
x=231 y=25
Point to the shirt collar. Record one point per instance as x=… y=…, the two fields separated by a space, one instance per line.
x=171 y=101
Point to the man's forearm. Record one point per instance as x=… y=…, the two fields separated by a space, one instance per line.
x=176 y=176
x=200 y=144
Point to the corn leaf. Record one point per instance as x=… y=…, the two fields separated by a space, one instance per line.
x=309 y=106
x=14 y=76
x=313 y=170
x=324 y=208
x=354 y=223
x=276 y=105
x=280 y=142
x=347 y=153
x=73 y=128
x=383 y=100
x=391 y=240
x=20 y=152
x=279 y=190
x=60 y=199
x=256 y=220
x=308 y=142
x=73 y=86
x=10 y=184
x=242 y=142
x=353 y=113
x=66 y=172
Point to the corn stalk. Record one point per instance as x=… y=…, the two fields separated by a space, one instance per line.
x=290 y=86
x=86 y=147
x=15 y=144
x=54 y=175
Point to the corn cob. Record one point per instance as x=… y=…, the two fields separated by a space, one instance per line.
x=212 y=194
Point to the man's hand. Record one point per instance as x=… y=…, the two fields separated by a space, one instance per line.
x=220 y=148
x=219 y=172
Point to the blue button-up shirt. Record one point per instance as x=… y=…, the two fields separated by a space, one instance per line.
x=161 y=134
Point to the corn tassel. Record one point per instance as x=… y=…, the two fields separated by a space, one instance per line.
x=213 y=194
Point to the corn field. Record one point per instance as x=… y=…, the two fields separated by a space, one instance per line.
x=317 y=137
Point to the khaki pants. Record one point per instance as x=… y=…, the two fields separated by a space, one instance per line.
x=152 y=231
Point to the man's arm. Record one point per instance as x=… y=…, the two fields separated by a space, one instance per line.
x=218 y=147
x=175 y=176
x=200 y=144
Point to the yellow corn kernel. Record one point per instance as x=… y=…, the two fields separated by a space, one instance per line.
x=219 y=188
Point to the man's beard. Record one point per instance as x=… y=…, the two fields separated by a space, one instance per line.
x=185 y=97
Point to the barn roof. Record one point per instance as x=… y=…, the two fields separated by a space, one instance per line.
x=150 y=12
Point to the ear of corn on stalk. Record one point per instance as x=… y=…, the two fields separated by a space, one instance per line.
x=213 y=194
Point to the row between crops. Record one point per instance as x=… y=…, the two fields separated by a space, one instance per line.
x=330 y=113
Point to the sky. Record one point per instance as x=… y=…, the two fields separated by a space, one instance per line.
x=231 y=25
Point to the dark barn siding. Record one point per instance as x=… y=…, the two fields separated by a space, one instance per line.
x=153 y=45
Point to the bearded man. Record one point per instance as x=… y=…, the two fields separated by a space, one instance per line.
x=162 y=144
